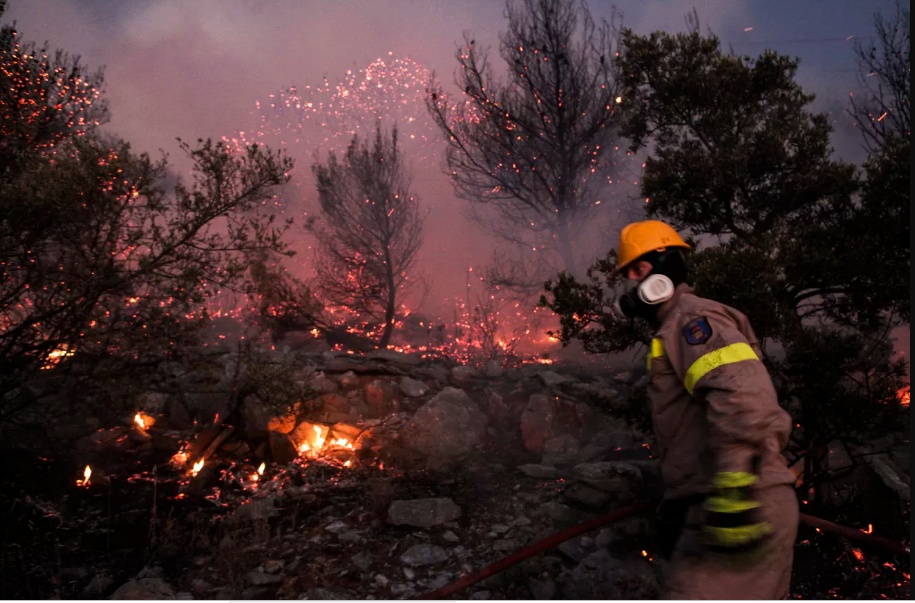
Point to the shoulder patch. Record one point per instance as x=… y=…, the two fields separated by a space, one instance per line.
x=697 y=331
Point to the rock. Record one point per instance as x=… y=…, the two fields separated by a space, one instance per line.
x=551 y=379
x=362 y=560
x=395 y=357
x=603 y=576
x=258 y=577
x=379 y=397
x=257 y=509
x=542 y=589
x=586 y=495
x=336 y=527
x=423 y=512
x=480 y=595
x=563 y=514
x=97 y=586
x=281 y=448
x=412 y=388
x=423 y=554
x=348 y=380
x=464 y=374
x=326 y=594
x=624 y=480
x=539 y=471
x=446 y=427
x=449 y=536
x=543 y=418
x=144 y=589
x=152 y=403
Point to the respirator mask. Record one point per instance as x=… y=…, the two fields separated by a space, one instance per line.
x=643 y=300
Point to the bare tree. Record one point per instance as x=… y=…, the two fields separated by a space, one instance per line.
x=371 y=230
x=885 y=70
x=537 y=149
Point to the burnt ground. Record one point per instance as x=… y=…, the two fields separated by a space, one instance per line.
x=219 y=537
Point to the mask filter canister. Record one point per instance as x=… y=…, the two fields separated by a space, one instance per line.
x=655 y=289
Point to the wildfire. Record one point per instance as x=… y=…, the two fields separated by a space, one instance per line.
x=87 y=473
x=903 y=395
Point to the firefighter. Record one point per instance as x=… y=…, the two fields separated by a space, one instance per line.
x=729 y=513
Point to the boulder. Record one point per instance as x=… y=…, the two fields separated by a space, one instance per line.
x=446 y=427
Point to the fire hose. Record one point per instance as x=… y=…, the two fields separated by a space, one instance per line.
x=549 y=542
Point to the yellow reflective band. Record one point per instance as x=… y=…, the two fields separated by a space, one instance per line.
x=739 y=536
x=729 y=354
x=733 y=479
x=718 y=504
x=657 y=350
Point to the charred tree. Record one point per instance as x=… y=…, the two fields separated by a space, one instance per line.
x=369 y=231
x=882 y=110
x=533 y=154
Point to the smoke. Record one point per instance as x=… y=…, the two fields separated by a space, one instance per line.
x=209 y=68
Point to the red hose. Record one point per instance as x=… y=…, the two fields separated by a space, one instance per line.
x=549 y=542
x=530 y=551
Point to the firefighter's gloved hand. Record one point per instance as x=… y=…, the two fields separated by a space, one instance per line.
x=732 y=515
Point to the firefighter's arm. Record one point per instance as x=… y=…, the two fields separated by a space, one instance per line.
x=720 y=368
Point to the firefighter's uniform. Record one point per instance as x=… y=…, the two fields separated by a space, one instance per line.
x=715 y=413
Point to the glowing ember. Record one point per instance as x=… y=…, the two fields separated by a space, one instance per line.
x=257 y=474
x=858 y=555
x=143 y=420
x=179 y=459
x=870 y=529
x=87 y=473
x=197 y=467
x=56 y=356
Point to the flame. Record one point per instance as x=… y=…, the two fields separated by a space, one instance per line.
x=870 y=529
x=143 y=420
x=260 y=471
x=87 y=473
x=903 y=395
x=197 y=467
x=319 y=437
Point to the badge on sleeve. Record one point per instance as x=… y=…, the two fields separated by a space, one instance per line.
x=697 y=331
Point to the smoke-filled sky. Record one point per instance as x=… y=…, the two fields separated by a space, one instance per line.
x=198 y=69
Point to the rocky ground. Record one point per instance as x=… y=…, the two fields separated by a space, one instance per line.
x=438 y=470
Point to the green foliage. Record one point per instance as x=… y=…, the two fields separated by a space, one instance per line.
x=815 y=255
x=104 y=265
x=586 y=310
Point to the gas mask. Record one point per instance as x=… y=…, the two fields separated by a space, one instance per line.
x=644 y=299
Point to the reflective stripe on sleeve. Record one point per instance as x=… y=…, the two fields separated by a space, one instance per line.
x=657 y=350
x=729 y=354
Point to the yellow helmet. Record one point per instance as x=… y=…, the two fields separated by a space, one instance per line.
x=639 y=238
